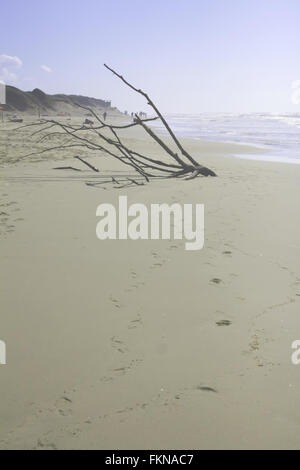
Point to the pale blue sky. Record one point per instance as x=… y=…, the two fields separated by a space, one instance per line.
x=190 y=55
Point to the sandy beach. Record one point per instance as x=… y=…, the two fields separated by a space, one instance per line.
x=142 y=344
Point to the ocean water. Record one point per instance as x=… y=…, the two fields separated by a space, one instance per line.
x=277 y=133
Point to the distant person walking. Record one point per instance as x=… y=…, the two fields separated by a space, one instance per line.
x=104 y=115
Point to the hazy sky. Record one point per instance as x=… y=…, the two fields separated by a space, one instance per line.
x=190 y=55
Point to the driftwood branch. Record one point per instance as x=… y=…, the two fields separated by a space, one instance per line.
x=104 y=138
x=88 y=164
x=150 y=102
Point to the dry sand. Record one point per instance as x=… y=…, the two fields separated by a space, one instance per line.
x=141 y=344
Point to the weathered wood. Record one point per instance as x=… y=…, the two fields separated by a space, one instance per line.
x=66 y=168
x=88 y=164
x=105 y=139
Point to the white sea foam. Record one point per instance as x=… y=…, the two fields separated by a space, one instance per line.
x=277 y=132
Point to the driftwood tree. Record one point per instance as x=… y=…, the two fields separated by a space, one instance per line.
x=179 y=164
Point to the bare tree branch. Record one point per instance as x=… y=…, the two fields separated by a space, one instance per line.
x=150 y=102
x=104 y=137
x=87 y=164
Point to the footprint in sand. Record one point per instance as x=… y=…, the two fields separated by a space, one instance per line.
x=64 y=406
x=135 y=323
x=155 y=265
x=134 y=286
x=254 y=344
x=124 y=369
x=115 y=302
x=216 y=280
x=45 y=445
x=205 y=388
x=106 y=379
x=118 y=345
x=7 y=207
x=159 y=261
x=223 y=322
